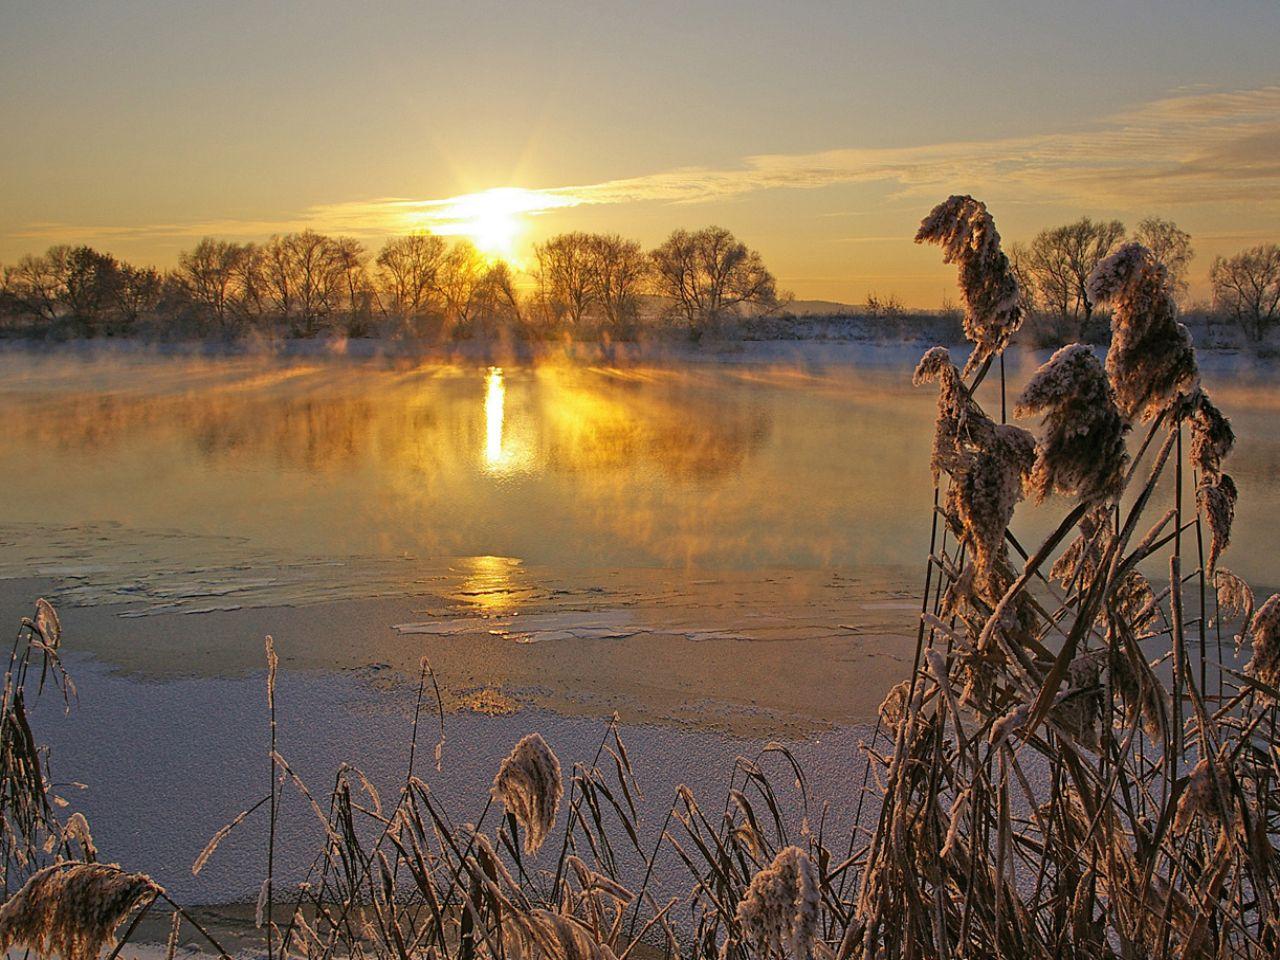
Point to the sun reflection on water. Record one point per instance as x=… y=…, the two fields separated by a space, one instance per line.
x=490 y=584
x=495 y=394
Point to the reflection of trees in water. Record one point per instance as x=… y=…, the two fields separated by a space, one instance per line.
x=307 y=433
x=692 y=435
x=311 y=434
x=571 y=424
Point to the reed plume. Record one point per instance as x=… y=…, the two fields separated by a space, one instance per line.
x=966 y=232
x=1264 y=634
x=77 y=828
x=1235 y=599
x=1083 y=555
x=779 y=913
x=72 y=909
x=960 y=421
x=540 y=934
x=48 y=624
x=1204 y=796
x=1217 y=500
x=988 y=462
x=893 y=708
x=1151 y=357
x=1081 y=452
x=1212 y=438
x=986 y=485
x=529 y=786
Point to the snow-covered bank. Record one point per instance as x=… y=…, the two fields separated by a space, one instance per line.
x=166 y=763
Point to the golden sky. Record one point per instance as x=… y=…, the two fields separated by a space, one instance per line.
x=820 y=133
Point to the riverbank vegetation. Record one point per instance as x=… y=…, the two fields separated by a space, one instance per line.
x=579 y=286
x=1083 y=760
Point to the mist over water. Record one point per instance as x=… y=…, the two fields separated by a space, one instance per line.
x=551 y=465
x=243 y=464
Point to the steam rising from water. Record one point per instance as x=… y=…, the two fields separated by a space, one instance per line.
x=216 y=482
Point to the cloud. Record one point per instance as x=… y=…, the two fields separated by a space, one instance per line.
x=1185 y=149
x=1178 y=150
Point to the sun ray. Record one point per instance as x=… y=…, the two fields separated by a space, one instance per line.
x=495 y=220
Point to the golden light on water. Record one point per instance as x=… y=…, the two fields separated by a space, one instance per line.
x=489 y=584
x=495 y=397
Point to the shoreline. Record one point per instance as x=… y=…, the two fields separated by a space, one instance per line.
x=788 y=655
x=813 y=353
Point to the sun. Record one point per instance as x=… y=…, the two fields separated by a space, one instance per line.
x=495 y=220
x=491 y=220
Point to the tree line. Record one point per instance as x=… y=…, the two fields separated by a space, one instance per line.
x=305 y=284
x=579 y=285
x=1054 y=267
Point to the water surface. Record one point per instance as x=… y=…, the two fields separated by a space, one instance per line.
x=601 y=503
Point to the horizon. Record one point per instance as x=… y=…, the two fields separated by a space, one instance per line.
x=344 y=126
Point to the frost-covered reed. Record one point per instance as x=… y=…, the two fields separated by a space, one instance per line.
x=1106 y=789
x=967 y=234
x=1081 y=452
x=1263 y=633
x=529 y=786
x=72 y=909
x=780 y=912
x=1151 y=358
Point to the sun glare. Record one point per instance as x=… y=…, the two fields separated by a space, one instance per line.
x=494 y=220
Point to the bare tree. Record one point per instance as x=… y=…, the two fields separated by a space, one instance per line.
x=136 y=291
x=209 y=274
x=81 y=284
x=565 y=276
x=497 y=299
x=305 y=278
x=459 y=283
x=1020 y=265
x=407 y=271
x=1170 y=246
x=1058 y=263
x=1247 y=288
x=618 y=270
x=37 y=284
x=90 y=281
x=709 y=274
x=352 y=259
x=250 y=297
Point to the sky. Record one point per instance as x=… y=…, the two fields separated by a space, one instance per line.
x=819 y=132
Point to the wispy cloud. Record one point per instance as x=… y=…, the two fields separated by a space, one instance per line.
x=1186 y=149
